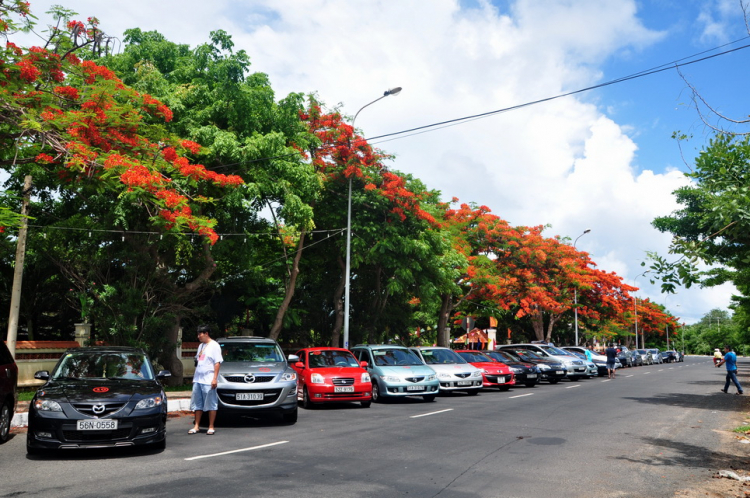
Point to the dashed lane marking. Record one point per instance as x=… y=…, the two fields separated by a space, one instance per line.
x=235 y=451
x=432 y=413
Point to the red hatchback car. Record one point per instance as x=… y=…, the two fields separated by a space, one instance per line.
x=331 y=374
x=494 y=373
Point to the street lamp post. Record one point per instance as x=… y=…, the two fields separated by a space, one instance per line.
x=635 y=309
x=392 y=91
x=575 y=290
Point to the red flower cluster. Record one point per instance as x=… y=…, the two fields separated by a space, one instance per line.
x=93 y=70
x=171 y=199
x=159 y=109
x=67 y=91
x=44 y=159
x=191 y=146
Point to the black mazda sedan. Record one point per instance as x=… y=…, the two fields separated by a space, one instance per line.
x=98 y=397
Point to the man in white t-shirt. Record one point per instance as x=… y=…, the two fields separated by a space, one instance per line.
x=207 y=363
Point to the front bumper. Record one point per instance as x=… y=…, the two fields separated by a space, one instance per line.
x=320 y=393
x=270 y=397
x=409 y=389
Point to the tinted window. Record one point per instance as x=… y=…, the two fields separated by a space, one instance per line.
x=395 y=357
x=5 y=356
x=441 y=357
x=106 y=365
x=321 y=359
x=243 y=351
x=474 y=356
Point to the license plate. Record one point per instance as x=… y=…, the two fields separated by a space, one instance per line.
x=463 y=383
x=415 y=388
x=559 y=372
x=96 y=425
x=531 y=376
x=249 y=396
x=344 y=389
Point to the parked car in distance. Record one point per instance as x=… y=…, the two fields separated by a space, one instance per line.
x=591 y=369
x=525 y=373
x=396 y=372
x=494 y=373
x=626 y=357
x=551 y=370
x=668 y=356
x=256 y=379
x=574 y=366
x=599 y=360
x=331 y=374
x=8 y=391
x=655 y=355
x=98 y=397
x=646 y=358
x=453 y=372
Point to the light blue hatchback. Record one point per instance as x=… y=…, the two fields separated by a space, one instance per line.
x=395 y=371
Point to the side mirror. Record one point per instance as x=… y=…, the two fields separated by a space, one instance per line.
x=363 y=364
x=42 y=375
x=299 y=365
x=293 y=358
x=163 y=374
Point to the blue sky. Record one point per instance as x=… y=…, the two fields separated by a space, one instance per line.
x=602 y=160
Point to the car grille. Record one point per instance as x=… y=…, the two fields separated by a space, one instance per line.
x=496 y=379
x=228 y=397
x=241 y=378
x=462 y=375
x=577 y=362
x=343 y=395
x=414 y=379
x=343 y=381
x=90 y=436
x=88 y=408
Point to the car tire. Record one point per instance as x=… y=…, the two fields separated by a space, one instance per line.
x=306 y=403
x=376 y=397
x=473 y=392
x=289 y=418
x=574 y=379
x=429 y=398
x=553 y=381
x=366 y=404
x=5 y=421
x=530 y=384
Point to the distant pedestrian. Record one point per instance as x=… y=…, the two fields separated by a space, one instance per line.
x=611 y=353
x=730 y=358
x=207 y=364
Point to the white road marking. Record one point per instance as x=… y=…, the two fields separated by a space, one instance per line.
x=432 y=413
x=646 y=373
x=629 y=375
x=571 y=387
x=235 y=451
x=521 y=395
x=606 y=380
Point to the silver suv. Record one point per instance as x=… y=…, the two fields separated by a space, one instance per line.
x=575 y=366
x=255 y=378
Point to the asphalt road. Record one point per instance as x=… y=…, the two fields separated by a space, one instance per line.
x=649 y=432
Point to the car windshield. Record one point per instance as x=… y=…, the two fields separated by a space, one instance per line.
x=641 y=351
x=323 y=359
x=525 y=354
x=395 y=357
x=243 y=351
x=503 y=356
x=441 y=357
x=557 y=351
x=104 y=365
x=474 y=356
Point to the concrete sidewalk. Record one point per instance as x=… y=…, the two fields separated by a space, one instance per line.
x=177 y=401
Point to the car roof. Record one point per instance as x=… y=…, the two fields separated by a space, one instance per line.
x=248 y=339
x=105 y=349
x=323 y=348
x=380 y=346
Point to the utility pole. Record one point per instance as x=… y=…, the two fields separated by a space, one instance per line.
x=15 y=293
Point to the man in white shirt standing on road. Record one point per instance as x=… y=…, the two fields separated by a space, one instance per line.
x=207 y=363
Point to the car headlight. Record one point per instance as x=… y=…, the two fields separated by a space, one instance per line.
x=47 y=405
x=544 y=367
x=365 y=377
x=476 y=373
x=444 y=376
x=151 y=402
x=317 y=379
x=431 y=378
x=289 y=376
x=516 y=370
x=390 y=378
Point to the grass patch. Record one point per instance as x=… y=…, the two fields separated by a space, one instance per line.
x=743 y=429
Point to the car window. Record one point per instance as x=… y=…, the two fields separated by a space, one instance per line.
x=323 y=359
x=107 y=365
x=5 y=357
x=502 y=356
x=441 y=357
x=395 y=357
x=474 y=356
x=243 y=351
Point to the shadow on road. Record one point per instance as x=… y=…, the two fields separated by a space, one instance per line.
x=711 y=401
x=682 y=454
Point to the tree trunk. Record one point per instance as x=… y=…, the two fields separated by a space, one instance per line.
x=338 y=306
x=446 y=307
x=290 y=287
x=170 y=360
x=552 y=321
x=537 y=321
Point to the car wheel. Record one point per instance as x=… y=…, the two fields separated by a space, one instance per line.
x=5 y=422
x=376 y=393
x=530 y=384
x=306 y=403
x=553 y=381
x=366 y=404
x=473 y=392
x=429 y=398
x=574 y=379
x=289 y=417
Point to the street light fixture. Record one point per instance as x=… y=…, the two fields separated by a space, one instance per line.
x=575 y=291
x=392 y=91
x=635 y=309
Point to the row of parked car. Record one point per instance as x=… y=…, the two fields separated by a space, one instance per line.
x=112 y=396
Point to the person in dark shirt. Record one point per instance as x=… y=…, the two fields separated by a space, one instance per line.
x=611 y=353
x=730 y=358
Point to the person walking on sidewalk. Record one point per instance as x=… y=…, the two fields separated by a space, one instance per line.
x=207 y=364
x=731 y=360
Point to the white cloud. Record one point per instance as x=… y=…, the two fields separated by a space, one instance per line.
x=564 y=162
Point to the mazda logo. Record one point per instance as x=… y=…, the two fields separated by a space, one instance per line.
x=98 y=409
x=249 y=378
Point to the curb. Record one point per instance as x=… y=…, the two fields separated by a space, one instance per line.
x=21 y=419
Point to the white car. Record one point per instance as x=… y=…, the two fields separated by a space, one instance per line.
x=655 y=355
x=576 y=367
x=599 y=360
x=453 y=372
